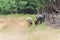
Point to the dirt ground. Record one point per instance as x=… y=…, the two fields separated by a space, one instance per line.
x=14 y=29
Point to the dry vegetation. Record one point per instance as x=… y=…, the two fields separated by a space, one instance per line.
x=16 y=28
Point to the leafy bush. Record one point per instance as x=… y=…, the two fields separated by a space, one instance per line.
x=20 y=5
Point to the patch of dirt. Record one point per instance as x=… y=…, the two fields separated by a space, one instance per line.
x=16 y=23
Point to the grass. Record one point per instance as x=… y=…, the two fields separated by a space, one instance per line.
x=22 y=15
x=33 y=27
x=18 y=16
x=35 y=32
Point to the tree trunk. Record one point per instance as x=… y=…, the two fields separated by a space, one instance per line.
x=53 y=18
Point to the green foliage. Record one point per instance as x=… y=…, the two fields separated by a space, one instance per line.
x=9 y=5
x=22 y=4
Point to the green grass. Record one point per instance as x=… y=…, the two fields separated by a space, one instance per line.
x=37 y=27
x=17 y=16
